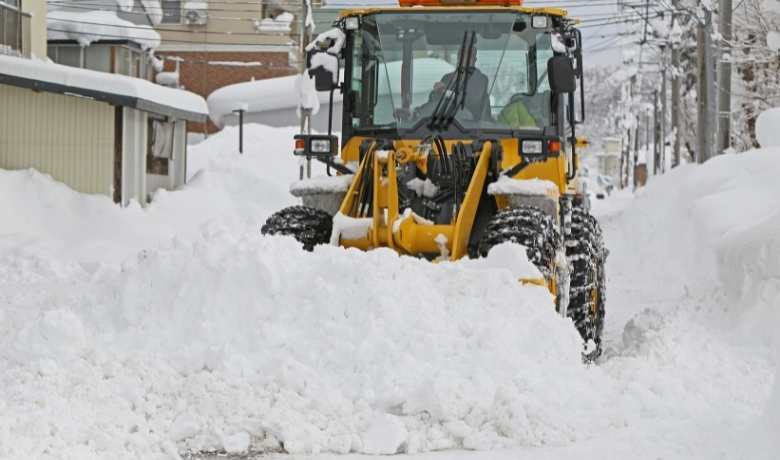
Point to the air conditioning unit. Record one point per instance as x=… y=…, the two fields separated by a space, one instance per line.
x=195 y=17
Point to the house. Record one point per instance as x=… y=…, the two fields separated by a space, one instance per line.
x=609 y=158
x=89 y=121
x=23 y=28
x=210 y=45
x=274 y=101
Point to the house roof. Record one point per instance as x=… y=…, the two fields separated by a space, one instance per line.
x=91 y=26
x=114 y=89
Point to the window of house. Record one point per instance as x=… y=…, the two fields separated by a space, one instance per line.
x=171 y=11
x=159 y=146
x=10 y=27
x=122 y=60
x=133 y=64
x=69 y=55
x=98 y=58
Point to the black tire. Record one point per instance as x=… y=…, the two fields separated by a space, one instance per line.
x=587 y=293
x=528 y=226
x=310 y=226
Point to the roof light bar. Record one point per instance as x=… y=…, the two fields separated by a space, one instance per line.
x=407 y=3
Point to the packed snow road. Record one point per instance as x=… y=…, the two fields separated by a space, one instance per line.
x=150 y=333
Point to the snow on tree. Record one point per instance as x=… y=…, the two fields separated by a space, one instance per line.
x=757 y=79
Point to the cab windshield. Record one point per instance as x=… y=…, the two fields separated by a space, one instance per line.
x=403 y=63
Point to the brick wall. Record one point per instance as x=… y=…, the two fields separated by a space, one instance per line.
x=196 y=75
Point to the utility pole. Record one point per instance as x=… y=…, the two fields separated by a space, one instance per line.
x=656 y=135
x=647 y=134
x=676 y=92
x=663 y=113
x=724 y=78
x=705 y=87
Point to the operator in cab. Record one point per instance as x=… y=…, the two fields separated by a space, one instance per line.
x=516 y=114
x=477 y=100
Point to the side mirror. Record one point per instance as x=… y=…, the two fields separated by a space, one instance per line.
x=324 y=68
x=561 y=75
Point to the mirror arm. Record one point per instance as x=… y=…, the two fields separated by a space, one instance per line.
x=581 y=73
x=573 y=141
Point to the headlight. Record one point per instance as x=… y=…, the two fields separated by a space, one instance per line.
x=320 y=146
x=531 y=148
x=352 y=23
x=539 y=22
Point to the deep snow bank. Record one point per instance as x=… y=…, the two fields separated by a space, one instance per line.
x=714 y=228
x=203 y=344
x=43 y=217
x=713 y=232
x=143 y=332
x=187 y=329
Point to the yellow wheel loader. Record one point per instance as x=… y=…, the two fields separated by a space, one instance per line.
x=457 y=135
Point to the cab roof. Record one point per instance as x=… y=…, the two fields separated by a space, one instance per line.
x=547 y=11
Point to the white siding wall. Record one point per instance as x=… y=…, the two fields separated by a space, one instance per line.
x=68 y=137
x=134 y=140
x=179 y=166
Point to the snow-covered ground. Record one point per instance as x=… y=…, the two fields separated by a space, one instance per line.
x=142 y=333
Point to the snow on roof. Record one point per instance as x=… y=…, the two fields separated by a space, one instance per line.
x=283 y=92
x=259 y=96
x=75 y=79
x=281 y=23
x=92 y=26
x=153 y=10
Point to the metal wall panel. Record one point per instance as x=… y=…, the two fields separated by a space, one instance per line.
x=70 y=138
x=134 y=140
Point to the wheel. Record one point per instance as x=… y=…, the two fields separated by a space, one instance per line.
x=528 y=226
x=310 y=226
x=587 y=294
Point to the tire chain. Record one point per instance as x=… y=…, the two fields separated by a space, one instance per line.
x=528 y=226
x=587 y=256
x=309 y=226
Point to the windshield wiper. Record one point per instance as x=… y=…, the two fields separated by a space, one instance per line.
x=454 y=97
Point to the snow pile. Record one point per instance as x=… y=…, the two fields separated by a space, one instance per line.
x=322 y=184
x=235 y=342
x=224 y=187
x=93 y=26
x=536 y=187
x=710 y=233
x=768 y=128
x=142 y=333
x=512 y=257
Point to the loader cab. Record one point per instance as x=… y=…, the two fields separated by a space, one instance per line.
x=400 y=66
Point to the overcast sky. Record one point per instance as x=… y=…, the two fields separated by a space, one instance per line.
x=595 y=38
